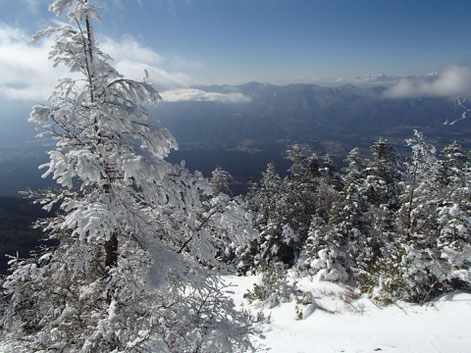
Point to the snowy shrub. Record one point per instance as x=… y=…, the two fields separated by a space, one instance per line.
x=324 y=253
x=273 y=287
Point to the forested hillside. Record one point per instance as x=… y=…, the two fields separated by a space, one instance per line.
x=304 y=113
x=17 y=235
x=392 y=227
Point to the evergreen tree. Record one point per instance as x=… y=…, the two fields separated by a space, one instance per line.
x=454 y=215
x=268 y=206
x=353 y=217
x=220 y=182
x=422 y=194
x=382 y=190
x=126 y=275
x=227 y=220
x=302 y=186
x=426 y=258
x=324 y=252
x=355 y=205
x=360 y=216
x=325 y=249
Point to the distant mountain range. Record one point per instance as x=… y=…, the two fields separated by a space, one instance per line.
x=243 y=134
x=308 y=113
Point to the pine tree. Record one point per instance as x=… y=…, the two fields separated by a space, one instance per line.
x=352 y=218
x=382 y=189
x=268 y=205
x=426 y=259
x=422 y=194
x=355 y=206
x=126 y=275
x=302 y=186
x=324 y=253
x=220 y=182
x=325 y=249
x=454 y=215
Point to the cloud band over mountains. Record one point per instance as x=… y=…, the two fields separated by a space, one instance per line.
x=192 y=94
x=452 y=81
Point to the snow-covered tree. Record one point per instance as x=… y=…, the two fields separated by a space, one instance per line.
x=354 y=218
x=324 y=252
x=268 y=205
x=227 y=220
x=302 y=186
x=220 y=181
x=382 y=190
x=422 y=194
x=401 y=269
x=126 y=274
x=454 y=215
x=431 y=251
x=353 y=213
x=335 y=244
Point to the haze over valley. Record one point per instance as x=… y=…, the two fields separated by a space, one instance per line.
x=243 y=127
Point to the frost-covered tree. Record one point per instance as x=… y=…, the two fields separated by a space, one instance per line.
x=430 y=252
x=226 y=219
x=411 y=267
x=353 y=212
x=357 y=213
x=351 y=218
x=422 y=194
x=268 y=205
x=382 y=190
x=454 y=215
x=335 y=243
x=126 y=275
x=302 y=185
x=324 y=253
x=220 y=181
x=283 y=209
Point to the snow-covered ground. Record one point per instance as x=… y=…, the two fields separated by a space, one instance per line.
x=358 y=325
x=338 y=322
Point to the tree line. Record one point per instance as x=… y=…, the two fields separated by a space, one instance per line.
x=395 y=228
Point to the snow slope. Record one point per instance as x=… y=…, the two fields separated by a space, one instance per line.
x=357 y=325
x=360 y=326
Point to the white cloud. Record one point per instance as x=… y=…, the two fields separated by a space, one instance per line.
x=378 y=79
x=26 y=72
x=130 y=58
x=192 y=94
x=129 y=48
x=366 y=80
x=160 y=78
x=452 y=81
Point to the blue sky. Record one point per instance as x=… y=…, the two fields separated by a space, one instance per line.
x=268 y=40
x=280 y=41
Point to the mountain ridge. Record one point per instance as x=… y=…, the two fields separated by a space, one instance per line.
x=304 y=111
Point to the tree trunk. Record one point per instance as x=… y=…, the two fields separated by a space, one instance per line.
x=111 y=251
